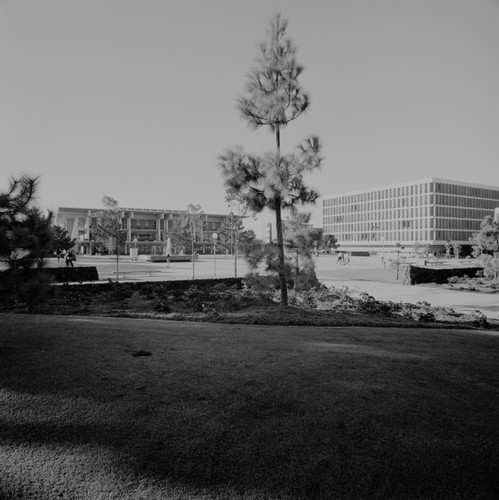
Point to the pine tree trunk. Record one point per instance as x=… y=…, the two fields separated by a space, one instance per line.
x=280 y=249
x=236 y=249
x=278 y=227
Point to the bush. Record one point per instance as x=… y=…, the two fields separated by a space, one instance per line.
x=29 y=288
x=424 y=316
x=367 y=303
x=119 y=295
x=260 y=282
x=161 y=307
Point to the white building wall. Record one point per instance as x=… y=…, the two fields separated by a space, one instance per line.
x=427 y=211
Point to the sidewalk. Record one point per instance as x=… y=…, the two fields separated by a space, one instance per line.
x=366 y=274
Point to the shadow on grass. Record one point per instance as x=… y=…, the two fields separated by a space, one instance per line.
x=271 y=413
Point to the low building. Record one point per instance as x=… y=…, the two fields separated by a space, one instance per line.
x=422 y=212
x=145 y=228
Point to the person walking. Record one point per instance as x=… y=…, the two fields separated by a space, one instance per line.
x=70 y=258
x=340 y=258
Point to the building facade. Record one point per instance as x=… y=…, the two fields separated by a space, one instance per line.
x=422 y=212
x=145 y=229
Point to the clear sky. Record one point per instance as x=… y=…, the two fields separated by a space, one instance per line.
x=136 y=99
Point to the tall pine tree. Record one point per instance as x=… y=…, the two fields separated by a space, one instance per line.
x=273 y=99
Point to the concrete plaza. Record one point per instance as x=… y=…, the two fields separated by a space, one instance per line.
x=362 y=274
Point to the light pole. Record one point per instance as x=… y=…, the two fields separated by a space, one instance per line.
x=383 y=250
x=399 y=249
x=215 y=237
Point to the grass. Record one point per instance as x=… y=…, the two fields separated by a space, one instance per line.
x=222 y=411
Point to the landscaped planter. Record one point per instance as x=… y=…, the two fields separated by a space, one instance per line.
x=173 y=258
x=439 y=275
x=67 y=274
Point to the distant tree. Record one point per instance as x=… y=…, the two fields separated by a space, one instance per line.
x=229 y=230
x=300 y=242
x=301 y=239
x=448 y=249
x=61 y=239
x=247 y=241
x=109 y=232
x=456 y=248
x=273 y=99
x=25 y=241
x=178 y=235
x=187 y=229
x=486 y=241
x=329 y=242
x=234 y=223
x=491 y=266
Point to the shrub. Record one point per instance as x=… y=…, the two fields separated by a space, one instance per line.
x=479 y=319
x=161 y=306
x=260 y=282
x=119 y=295
x=306 y=299
x=424 y=316
x=367 y=303
x=29 y=288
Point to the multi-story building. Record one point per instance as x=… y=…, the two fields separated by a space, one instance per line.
x=426 y=212
x=145 y=229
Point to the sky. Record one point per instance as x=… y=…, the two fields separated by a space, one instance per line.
x=137 y=99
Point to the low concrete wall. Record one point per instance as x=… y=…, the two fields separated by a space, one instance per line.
x=440 y=275
x=173 y=258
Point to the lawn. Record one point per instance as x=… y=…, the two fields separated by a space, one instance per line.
x=113 y=408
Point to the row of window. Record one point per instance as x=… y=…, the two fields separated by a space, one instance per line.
x=380 y=194
x=469 y=191
x=412 y=236
x=376 y=228
x=456 y=201
x=469 y=225
x=408 y=213
x=369 y=206
x=386 y=238
x=459 y=194
x=414 y=201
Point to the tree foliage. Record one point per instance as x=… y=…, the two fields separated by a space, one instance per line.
x=61 y=239
x=329 y=242
x=188 y=229
x=486 y=241
x=230 y=229
x=247 y=241
x=273 y=99
x=108 y=232
x=301 y=240
x=25 y=241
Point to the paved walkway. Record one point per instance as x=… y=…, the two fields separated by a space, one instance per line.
x=366 y=274
x=362 y=274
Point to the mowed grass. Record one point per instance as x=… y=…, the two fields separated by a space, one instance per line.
x=222 y=411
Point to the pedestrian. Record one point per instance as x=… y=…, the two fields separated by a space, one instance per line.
x=70 y=258
x=340 y=258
